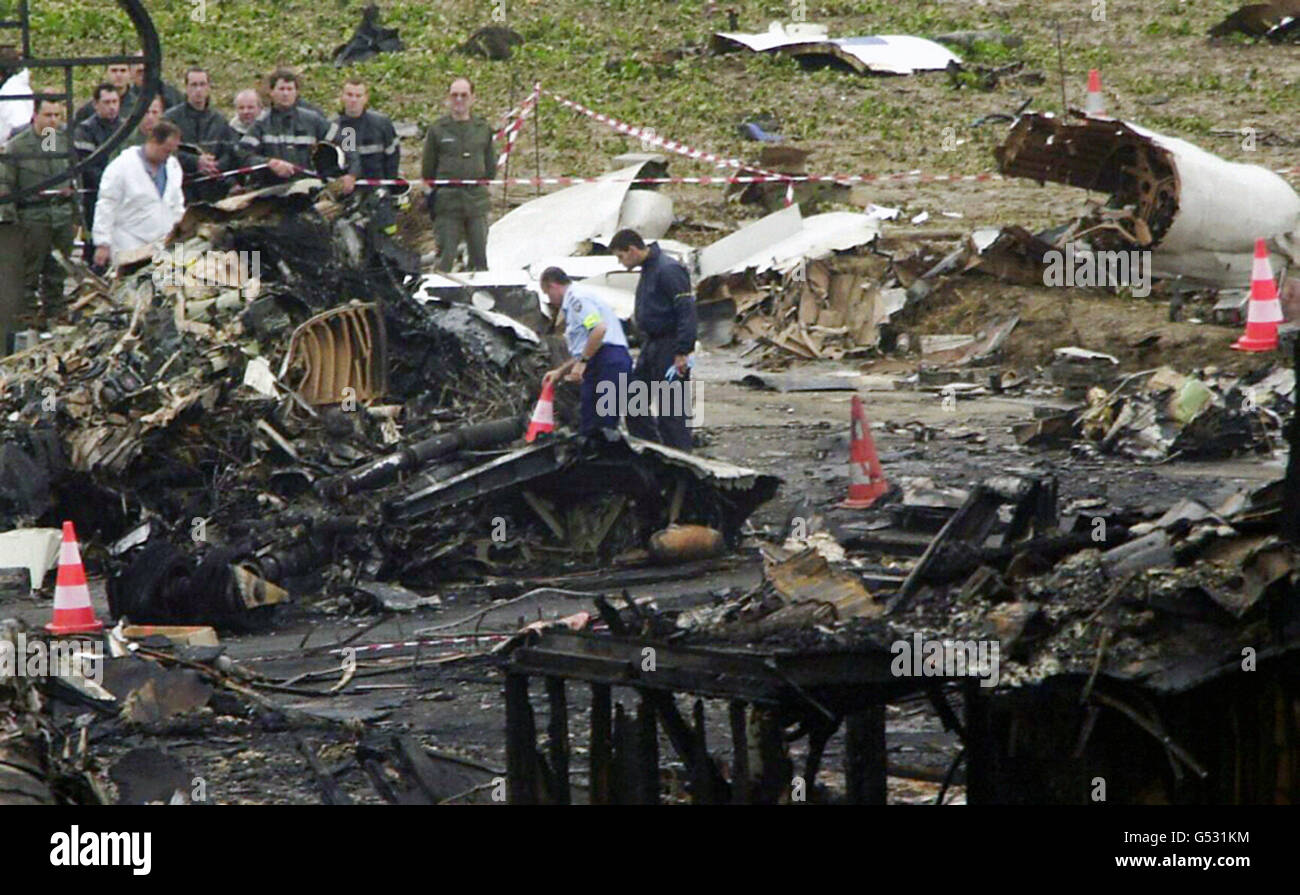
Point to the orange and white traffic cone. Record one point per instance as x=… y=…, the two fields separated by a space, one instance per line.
x=73 y=613
x=543 y=414
x=1095 y=103
x=1264 y=312
x=866 y=477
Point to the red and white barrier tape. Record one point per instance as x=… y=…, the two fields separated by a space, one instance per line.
x=702 y=180
x=451 y=640
x=233 y=172
x=648 y=135
x=511 y=131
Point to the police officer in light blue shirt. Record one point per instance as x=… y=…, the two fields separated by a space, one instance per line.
x=597 y=350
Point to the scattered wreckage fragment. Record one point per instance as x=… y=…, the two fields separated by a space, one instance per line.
x=1197 y=214
x=1277 y=21
x=893 y=54
x=1155 y=415
x=1137 y=627
x=560 y=223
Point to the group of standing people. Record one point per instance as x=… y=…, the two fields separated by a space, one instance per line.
x=183 y=149
x=180 y=151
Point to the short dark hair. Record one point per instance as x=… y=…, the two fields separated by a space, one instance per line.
x=626 y=239
x=40 y=101
x=195 y=69
x=100 y=88
x=555 y=275
x=282 y=74
x=163 y=131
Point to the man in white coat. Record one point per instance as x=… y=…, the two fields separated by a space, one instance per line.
x=140 y=197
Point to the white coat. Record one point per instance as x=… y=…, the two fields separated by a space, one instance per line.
x=129 y=212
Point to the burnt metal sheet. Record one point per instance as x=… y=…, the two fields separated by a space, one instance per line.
x=763 y=676
x=620 y=464
x=507 y=471
x=717 y=472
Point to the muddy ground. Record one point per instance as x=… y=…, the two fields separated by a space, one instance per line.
x=455 y=705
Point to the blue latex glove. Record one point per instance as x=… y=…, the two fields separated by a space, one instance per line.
x=672 y=369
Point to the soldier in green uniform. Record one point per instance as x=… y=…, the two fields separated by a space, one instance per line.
x=459 y=146
x=45 y=222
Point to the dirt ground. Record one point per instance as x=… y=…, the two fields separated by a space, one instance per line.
x=457 y=707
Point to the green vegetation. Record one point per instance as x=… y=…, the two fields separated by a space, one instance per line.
x=645 y=63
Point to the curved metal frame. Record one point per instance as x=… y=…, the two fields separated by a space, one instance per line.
x=151 y=57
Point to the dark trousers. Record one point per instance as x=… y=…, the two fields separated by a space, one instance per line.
x=13 y=289
x=88 y=201
x=600 y=405
x=29 y=274
x=43 y=277
x=668 y=425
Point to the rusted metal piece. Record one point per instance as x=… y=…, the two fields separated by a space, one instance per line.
x=339 y=355
x=1102 y=155
x=807 y=577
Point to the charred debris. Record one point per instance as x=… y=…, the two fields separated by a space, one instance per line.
x=1059 y=644
x=269 y=411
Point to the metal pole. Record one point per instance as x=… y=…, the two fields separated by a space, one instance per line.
x=537 y=141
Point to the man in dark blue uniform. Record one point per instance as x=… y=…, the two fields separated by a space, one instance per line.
x=665 y=318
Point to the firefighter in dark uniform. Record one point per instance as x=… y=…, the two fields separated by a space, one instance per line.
x=170 y=95
x=458 y=146
x=204 y=127
x=284 y=136
x=44 y=222
x=88 y=136
x=369 y=141
x=118 y=75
